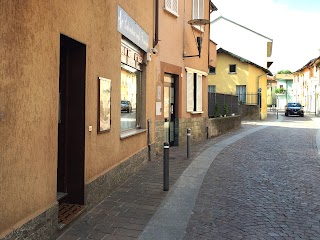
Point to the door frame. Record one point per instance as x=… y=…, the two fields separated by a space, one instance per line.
x=71 y=125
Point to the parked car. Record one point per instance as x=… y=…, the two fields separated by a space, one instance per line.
x=126 y=106
x=294 y=108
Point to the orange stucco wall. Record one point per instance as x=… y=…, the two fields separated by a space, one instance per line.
x=30 y=48
x=176 y=39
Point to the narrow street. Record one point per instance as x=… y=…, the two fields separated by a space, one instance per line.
x=264 y=186
x=259 y=182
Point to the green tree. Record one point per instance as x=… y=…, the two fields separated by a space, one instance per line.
x=284 y=72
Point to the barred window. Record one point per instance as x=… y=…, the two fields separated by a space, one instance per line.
x=171 y=6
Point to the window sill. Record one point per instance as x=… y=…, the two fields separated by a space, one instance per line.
x=171 y=12
x=197 y=112
x=232 y=73
x=131 y=132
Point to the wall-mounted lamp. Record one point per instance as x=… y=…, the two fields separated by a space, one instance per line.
x=197 y=23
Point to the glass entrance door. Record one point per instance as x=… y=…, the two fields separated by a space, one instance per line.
x=169 y=109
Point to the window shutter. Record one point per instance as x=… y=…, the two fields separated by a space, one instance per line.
x=199 y=92
x=201 y=9
x=195 y=9
x=190 y=92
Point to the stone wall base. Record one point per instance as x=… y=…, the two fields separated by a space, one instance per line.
x=100 y=188
x=44 y=226
x=219 y=126
x=249 y=112
x=198 y=130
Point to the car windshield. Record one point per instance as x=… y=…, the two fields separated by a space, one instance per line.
x=124 y=102
x=294 y=105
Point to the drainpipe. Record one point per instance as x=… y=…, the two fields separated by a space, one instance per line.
x=184 y=27
x=258 y=78
x=156 y=24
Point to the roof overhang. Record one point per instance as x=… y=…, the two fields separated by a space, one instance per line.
x=212 y=7
x=267 y=71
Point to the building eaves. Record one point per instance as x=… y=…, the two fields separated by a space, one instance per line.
x=267 y=71
x=309 y=64
x=212 y=7
x=221 y=17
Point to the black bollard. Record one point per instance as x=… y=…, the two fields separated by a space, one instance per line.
x=166 y=167
x=188 y=141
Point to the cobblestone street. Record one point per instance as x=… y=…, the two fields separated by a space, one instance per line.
x=259 y=182
x=265 y=186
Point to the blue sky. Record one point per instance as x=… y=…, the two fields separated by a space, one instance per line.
x=306 y=5
x=292 y=24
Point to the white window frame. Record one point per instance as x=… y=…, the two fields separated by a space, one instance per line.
x=198 y=11
x=169 y=6
x=212 y=89
x=241 y=92
x=194 y=90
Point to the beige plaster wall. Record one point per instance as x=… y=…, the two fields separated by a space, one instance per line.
x=30 y=47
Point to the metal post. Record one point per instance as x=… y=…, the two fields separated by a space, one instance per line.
x=188 y=141
x=149 y=140
x=315 y=100
x=277 y=114
x=166 y=167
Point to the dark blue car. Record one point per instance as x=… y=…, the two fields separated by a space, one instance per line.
x=294 y=108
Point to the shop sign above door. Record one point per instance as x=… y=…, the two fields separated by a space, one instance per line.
x=131 y=30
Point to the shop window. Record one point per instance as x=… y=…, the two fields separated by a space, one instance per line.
x=171 y=6
x=131 y=86
x=130 y=97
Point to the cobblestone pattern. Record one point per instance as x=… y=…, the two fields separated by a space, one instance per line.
x=265 y=186
x=127 y=210
x=43 y=227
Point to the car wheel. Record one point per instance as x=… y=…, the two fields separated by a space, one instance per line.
x=302 y=115
x=286 y=114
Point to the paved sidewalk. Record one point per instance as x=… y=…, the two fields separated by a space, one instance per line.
x=127 y=212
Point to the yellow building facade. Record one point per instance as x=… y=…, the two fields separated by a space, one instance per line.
x=234 y=75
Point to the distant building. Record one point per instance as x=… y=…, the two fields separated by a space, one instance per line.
x=242 y=41
x=306 y=85
x=239 y=76
x=284 y=90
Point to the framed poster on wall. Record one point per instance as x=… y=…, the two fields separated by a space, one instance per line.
x=104 y=105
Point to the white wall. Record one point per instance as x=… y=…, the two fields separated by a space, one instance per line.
x=240 y=41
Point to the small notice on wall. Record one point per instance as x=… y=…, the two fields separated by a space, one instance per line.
x=158 y=108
